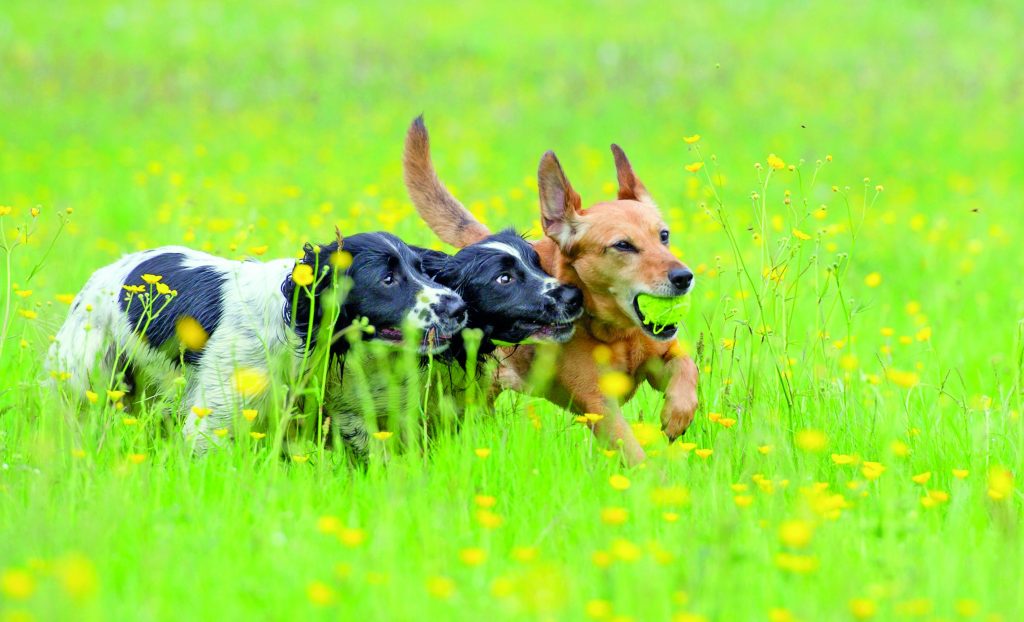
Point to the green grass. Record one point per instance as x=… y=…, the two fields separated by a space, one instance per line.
x=240 y=125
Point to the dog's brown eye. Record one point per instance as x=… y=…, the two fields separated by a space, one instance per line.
x=624 y=246
x=504 y=279
x=664 y=236
x=389 y=279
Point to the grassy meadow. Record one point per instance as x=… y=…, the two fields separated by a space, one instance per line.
x=843 y=179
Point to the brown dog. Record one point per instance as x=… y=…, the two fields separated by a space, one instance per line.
x=613 y=251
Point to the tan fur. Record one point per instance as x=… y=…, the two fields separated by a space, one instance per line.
x=445 y=215
x=577 y=251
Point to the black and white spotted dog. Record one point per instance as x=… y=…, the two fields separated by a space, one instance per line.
x=510 y=299
x=258 y=324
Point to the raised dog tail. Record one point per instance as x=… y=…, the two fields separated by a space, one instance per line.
x=443 y=213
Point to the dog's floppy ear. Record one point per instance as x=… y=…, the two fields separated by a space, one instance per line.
x=443 y=213
x=559 y=203
x=630 y=187
x=433 y=261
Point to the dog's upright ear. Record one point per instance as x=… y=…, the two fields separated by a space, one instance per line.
x=443 y=213
x=559 y=203
x=630 y=187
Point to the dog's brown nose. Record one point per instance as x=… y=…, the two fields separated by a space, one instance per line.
x=681 y=279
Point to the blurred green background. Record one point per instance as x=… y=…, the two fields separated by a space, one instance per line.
x=230 y=126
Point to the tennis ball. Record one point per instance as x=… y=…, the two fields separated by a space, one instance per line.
x=662 y=313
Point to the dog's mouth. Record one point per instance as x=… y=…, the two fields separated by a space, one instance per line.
x=558 y=332
x=661 y=332
x=434 y=340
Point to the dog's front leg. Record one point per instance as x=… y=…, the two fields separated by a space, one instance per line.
x=679 y=381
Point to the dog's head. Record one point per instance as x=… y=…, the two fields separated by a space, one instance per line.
x=617 y=249
x=510 y=297
x=388 y=288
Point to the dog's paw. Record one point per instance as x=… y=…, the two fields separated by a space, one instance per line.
x=677 y=416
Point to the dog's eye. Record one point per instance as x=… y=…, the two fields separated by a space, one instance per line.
x=664 y=236
x=504 y=278
x=624 y=246
x=389 y=279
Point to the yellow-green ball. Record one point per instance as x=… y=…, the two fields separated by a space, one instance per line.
x=662 y=312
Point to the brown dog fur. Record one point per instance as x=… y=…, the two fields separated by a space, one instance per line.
x=578 y=250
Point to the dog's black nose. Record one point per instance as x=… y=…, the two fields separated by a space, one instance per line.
x=453 y=306
x=681 y=278
x=569 y=297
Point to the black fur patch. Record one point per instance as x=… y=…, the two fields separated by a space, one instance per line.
x=199 y=296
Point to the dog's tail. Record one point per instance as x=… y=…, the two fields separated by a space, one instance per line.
x=443 y=213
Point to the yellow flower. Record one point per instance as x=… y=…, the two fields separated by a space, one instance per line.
x=780 y=615
x=473 y=556
x=5 y=210
x=201 y=411
x=704 y=454
x=251 y=381
x=961 y=473
x=1000 y=483
x=482 y=452
x=967 y=608
x=34 y=212
x=303 y=275
x=921 y=478
x=28 y=314
x=257 y=435
x=484 y=501
x=91 y=396
x=619 y=482
x=382 y=435
x=872 y=470
x=796 y=534
x=489 y=519
x=129 y=420
x=765 y=449
x=299 y=458
x=134 y=289
x=23 y=293
x=863 y=608
x=900 y=449
x=441 y=587
x=743 y=501
x=693 y=167
x=714 y=417
x=113 y=395
x=905 y=379
x=17 y=584
x=726 y=422
x=873 y=280
x=163 y=289
x=250 y=414
x=191 y=333
x=351 y=536
x=813 y=441
x=615 y=384
x=598 y=609
x=152 y=279
x=939 y=496
x=258 y=250
x=341 y=260
x=669 y=517
x=728 y=344
x=843 y=459
x=775 y=162
x=689 y=140
x=328 y=524
x=221 y=432
x=319 y=593
x=77 y=575
x=800 y=234
x=65 y=298
x=614 y=515
x=136 y=458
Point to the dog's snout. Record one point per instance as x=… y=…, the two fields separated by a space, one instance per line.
x=571 y=298
x=681 y=278
x=452 y=306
